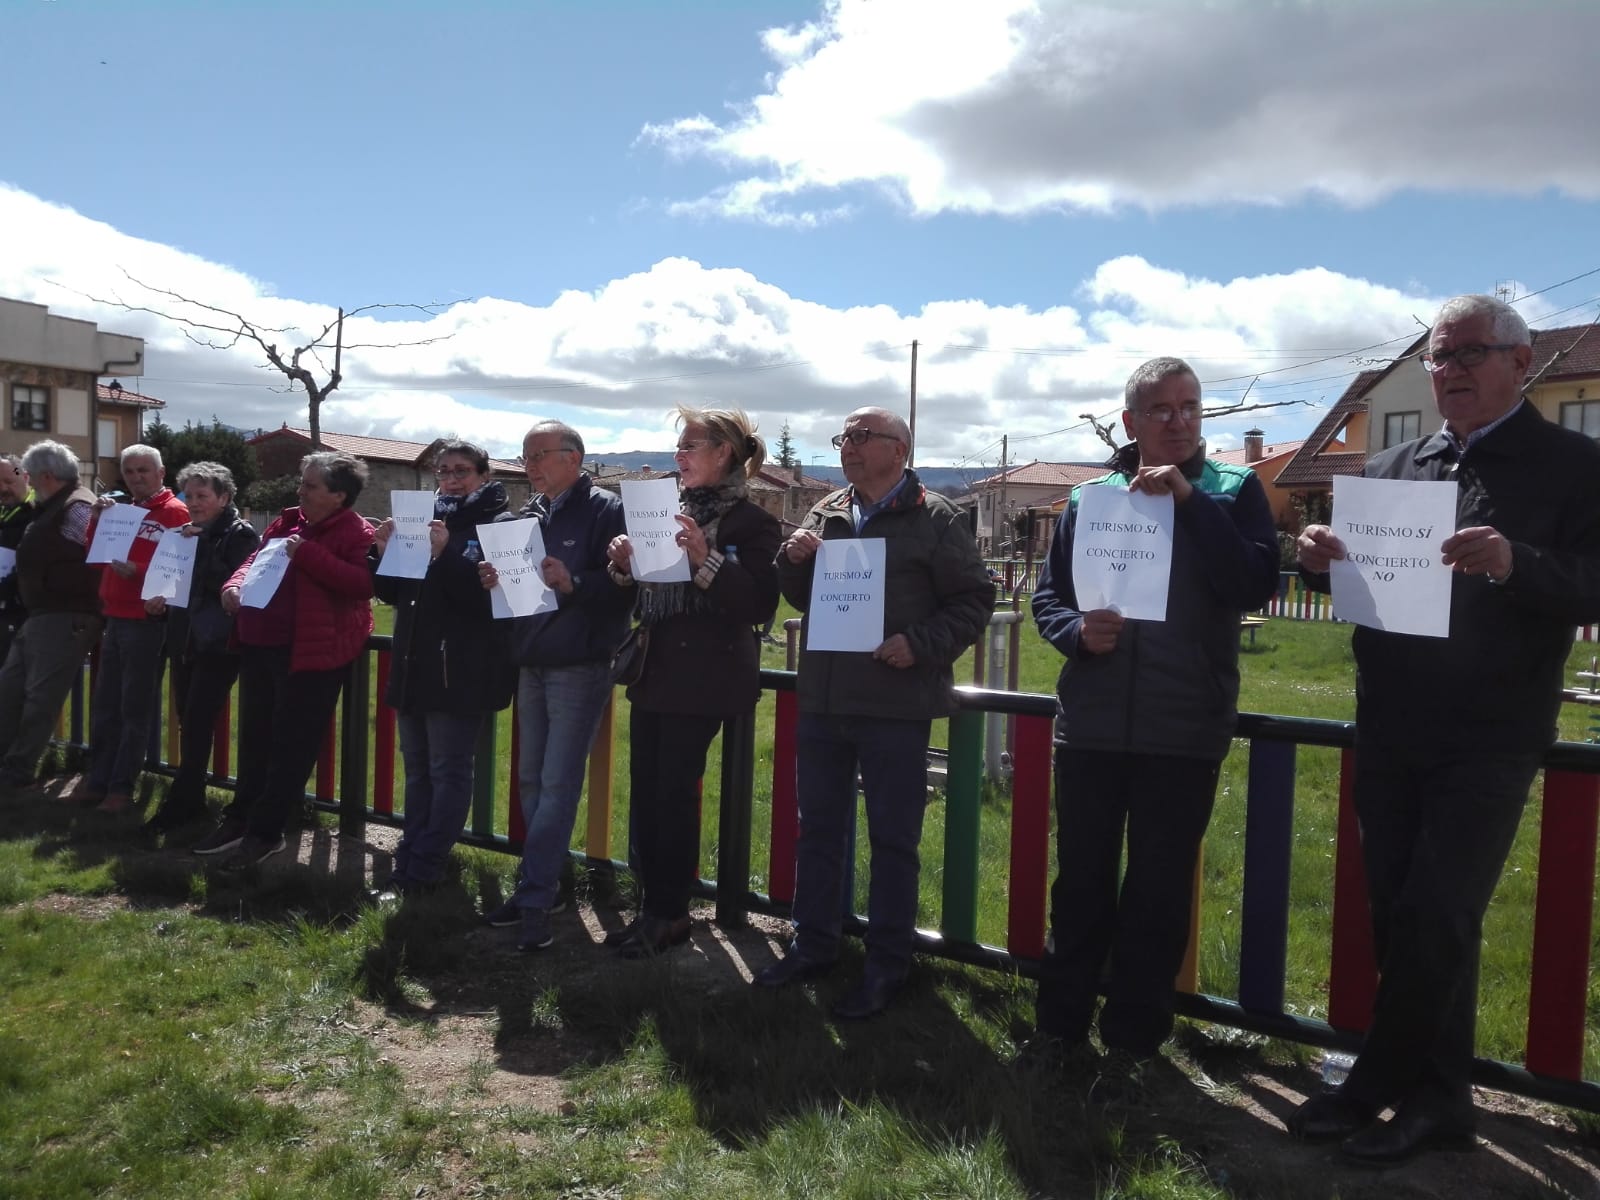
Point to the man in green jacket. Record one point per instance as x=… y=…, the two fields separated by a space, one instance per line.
x=874 y=710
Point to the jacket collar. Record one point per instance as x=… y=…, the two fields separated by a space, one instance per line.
x=911 y=495
x=1504 y=440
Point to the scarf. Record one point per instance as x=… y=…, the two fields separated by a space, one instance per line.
x=658 y=601
x=444 y=506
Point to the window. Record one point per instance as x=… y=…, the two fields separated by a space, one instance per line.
x=1401 y=427
x=1582 y=415
x=30 y=407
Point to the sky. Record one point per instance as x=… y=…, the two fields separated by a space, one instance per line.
x=609 y=208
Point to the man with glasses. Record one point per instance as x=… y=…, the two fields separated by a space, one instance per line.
x=565 y=656
x=1450 y=731
x=873 y=711
x=1146 y=715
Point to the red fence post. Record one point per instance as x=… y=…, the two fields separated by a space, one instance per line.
x=1030 y=837
x=1353 y=977
x=1562 y=923
x=785 y=800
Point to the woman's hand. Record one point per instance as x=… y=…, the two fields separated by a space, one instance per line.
x=693 y=540
x=438 y=538
x=156 y=605
x=488 y=576
x=291 y=544
x=381 y=532
x=230 y=601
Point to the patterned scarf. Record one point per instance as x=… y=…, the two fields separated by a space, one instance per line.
x=658 y=601
x=444 y=505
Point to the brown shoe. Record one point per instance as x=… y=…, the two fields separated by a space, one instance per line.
x=115 y=802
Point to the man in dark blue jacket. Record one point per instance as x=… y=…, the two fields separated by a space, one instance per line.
x=1147 y=713
x=565 y=656
x=1450 y=731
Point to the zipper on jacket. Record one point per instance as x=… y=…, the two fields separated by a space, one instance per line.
x=444 y=663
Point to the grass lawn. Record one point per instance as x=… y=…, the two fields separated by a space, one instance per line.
x=163 y=1034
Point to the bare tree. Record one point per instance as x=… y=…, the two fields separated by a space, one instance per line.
x=222 y=329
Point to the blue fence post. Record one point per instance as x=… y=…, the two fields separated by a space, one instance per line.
x=1268 y=847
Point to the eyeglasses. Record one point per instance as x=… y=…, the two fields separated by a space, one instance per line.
x=1465 y=357
x=860 y=437
x=454 y=472
x=1162 y=414
x=692 y=447
x=538 y=455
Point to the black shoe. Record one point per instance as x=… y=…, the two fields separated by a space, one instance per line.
x=1412 y=1130
x=504 y=916
x=1122 y=1077
x=536 y=933
x=1329 y=1116
x=625 y=934
x=250 y=851
x=170 y=818
x=1046 y=1054
x=867 y=999
x=657 y=936
x=225 y=837
x=791 y=968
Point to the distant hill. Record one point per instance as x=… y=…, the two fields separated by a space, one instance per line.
x=949 y=481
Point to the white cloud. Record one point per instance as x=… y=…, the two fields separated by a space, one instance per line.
x=1017 y=106
x=615 y=361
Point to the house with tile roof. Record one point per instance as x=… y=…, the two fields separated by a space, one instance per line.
x=393 y=464
x=998 y=500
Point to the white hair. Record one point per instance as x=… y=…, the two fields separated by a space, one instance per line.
x=1506 y=322
x=139 y=450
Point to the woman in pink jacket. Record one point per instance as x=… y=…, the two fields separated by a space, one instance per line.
x=295 y=649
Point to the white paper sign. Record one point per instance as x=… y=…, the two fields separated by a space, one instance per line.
x=8 y=561
x=407 y=554
x=846 y=610
x=516 y=548
x=171 y=571
x=651 y=506
x=114 y=532
x=1393 y=576
x=266 y=572
x=1122 y=552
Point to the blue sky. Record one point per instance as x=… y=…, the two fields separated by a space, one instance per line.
x=763 y=203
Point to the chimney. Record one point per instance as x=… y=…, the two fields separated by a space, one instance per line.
x=645 y=470
x=799 y=473
x=1252 y=445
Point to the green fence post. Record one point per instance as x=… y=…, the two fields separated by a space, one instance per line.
x=355 y=719
x=962 y=790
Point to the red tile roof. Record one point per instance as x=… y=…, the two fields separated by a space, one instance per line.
x=1573 y=351
x=784 y=477
x=106 y=394
x=1313 y=465
x=375 y=449
x=1236 y=458
x=1046 y=474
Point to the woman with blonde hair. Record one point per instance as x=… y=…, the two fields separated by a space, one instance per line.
x=702 y=664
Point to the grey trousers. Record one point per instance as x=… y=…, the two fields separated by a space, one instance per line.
x=45 y=658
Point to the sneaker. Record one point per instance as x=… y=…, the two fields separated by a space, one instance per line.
x=226 y=836
x=1123 y=1078
x=251 y=850
x=503 y=917
x=1046 y=1054
x=170 y=818
x=535 y=933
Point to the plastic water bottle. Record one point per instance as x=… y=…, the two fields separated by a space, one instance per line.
x=1335 y=1066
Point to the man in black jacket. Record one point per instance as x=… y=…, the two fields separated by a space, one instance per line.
x=1450 y=731
x=565 y=656
x=1147 y=713
x=16 y=510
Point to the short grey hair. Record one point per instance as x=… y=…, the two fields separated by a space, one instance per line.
x=571 y=439
x=1147 y=375
x=1506 y=323
x=340 y=472
x=12 y=460
x=214 y=473
x=140 y=450
x=52 y=459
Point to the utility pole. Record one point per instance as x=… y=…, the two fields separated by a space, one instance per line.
x=913 y=421
x=999 y=508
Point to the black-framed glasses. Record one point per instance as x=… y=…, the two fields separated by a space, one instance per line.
x=1465 y=357
x=1162 y=414
x=538 y=455
x=860 y=437
x=454 y=472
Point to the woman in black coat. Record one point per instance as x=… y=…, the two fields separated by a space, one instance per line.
x=450 y=668
x=703 y=662
x=203 y=664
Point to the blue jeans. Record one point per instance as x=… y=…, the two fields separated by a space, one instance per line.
x=126 y=699
x=438 y=750
x=558 y=711
x=45 y=657
x=893 y=758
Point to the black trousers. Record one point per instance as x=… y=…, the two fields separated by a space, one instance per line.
x=1143 y=925
x=283 y=718
x=201 y=684
x=1436 y=828
x=667 y=756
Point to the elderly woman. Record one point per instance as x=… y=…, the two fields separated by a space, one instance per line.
x=203 y=664
x=294 y=648
x=451 y=666
x=703 y=661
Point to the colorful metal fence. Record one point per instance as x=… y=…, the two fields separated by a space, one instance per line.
x=356 y=778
